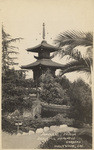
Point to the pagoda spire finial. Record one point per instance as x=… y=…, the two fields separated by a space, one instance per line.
x=43 y=36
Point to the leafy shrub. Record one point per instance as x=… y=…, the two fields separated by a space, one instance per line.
x=59 y=142
x=42 y=122
x=62 y=119
x=51 y=91
x=14 y=89
x=81 y=103
x=8 y=126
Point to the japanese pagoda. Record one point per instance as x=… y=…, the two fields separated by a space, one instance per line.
x=43 y=61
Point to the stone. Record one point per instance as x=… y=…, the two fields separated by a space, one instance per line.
x=46 y=129
x=72 y=129
x=19 y=134
x=53 y=128
x=63 y=126
x=9 y=117
x=40 y=131
x=31 y=132
x=32 y=95
x=24 y=133
x=36 y=109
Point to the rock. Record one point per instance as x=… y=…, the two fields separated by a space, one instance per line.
x=53 y=128
x=72 y=129
x=40 y=130
x=9 y=117
x=63 y=126
x=46 y=129
x=31 y=132
x=24 y=133
x=33 y=95
x=19 y=134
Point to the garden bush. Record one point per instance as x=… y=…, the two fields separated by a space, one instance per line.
x=81 y=103
x=59 y=141
x=63 y=119
x=51 y=91
x=8 y=126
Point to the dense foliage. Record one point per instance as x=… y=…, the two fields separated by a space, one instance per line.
x=69 y=140
x=81 y=102
x=80 y=96
x=52 y=91
x=14 y=90
x=14 y=83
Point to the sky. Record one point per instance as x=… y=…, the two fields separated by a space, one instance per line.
x=24 y=18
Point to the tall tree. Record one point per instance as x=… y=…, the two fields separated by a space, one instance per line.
x=10 y=91
x=7 y=50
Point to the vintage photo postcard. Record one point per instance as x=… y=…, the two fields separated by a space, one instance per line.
x=46 y=74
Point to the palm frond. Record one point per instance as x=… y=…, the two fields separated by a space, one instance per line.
x=75 y=38
x=75 y=68
x=82 y=65
x=60 y=52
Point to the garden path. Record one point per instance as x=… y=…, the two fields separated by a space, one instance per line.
x=31 y=141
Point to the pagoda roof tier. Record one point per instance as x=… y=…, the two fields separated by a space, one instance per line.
x=43 y=46
x=43 y=62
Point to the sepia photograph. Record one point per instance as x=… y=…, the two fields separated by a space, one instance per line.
x=46 y=74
